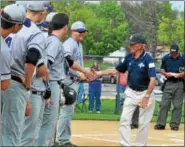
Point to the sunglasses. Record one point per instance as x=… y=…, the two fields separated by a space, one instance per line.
x=81 y=32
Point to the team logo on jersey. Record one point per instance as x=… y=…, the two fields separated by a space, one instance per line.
x=181 y=69
x=141 y=65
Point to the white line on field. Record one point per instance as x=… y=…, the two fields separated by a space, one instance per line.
x=114 y=141
x=101 y=135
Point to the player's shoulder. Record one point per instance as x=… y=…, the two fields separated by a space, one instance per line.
x=70 y=41
x=148 y=56
x=166 y=57
x=129 y=56
x=53 y=40
x=4 y=46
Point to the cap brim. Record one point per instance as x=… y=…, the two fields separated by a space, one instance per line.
x=81 y=30
x=129 y=42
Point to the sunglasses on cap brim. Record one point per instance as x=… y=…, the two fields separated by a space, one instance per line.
x=81 y=32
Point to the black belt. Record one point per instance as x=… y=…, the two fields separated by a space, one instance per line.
x=75 y=79
x=16 y=79
x=38 y=93
x=138 y=88
x=175 y=80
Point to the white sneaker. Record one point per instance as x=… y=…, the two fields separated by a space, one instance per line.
x=98 y=112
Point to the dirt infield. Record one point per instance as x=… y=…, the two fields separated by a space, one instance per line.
x=105 y=133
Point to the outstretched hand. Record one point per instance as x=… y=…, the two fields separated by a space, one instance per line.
x=91 y=75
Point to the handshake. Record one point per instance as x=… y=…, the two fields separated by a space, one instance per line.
x=88 y=75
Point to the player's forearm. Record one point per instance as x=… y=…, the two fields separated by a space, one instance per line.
x=151 y=86
x=107 y=72
x=5 y=84
x=181 y=75
x=163 y=72
x=42 y=71
x=29 y=70
x=77 y=67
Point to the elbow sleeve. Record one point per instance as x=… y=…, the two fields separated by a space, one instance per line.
x=69 y=60
x=33 y=55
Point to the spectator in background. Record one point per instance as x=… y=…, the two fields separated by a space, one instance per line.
x=95 y=91
x=80 y=93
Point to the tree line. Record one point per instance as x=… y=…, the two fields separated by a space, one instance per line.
x=109 y=23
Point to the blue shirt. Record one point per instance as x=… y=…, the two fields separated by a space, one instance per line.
x=139 y=70
x=173 y=65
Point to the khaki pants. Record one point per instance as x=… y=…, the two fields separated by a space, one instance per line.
x=145 y=116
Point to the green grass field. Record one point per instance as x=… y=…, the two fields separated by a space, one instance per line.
x=107 y=112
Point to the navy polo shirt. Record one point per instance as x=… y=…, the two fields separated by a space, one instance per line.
x=139 y=70
x=173 y=65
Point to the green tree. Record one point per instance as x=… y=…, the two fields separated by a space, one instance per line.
x=106 y=25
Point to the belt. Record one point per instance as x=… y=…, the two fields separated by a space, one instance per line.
x=16 y=79
x=138 y=88
x=75 y=79
x=59 y=82
x=175 y=80
x=38 y=93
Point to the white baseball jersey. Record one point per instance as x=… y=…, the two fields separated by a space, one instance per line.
x=75 y=50
x=28 y=37
x=6 y=61
x=56 y=56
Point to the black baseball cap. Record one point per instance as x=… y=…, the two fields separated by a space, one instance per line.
x=136 y=38
x=174 y=49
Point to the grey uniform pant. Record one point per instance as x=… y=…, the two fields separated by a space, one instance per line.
x=13 y=114
x=145 y=115
x=49 y=121
x=33 y=123
x=173 y=93
x=66 y=115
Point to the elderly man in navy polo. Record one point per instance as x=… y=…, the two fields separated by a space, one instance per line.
x=172 y=68
x=139 y=91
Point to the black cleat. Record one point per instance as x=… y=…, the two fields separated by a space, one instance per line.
x=69 y=144
x=134 y=126
x=159 y=127
x=175 y=128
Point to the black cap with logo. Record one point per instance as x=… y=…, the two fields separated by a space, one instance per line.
x=174 y=49
x=135 y=39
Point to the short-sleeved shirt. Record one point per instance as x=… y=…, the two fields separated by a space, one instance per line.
x=75 y=50
x=28 y=37
x=55 y=54
x=6 y=61
x=173 y=65
x=139 y=70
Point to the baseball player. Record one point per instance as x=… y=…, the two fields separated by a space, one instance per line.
x=8 y=39
x=9 y=24
x=141 y=82
x=56 y=64
x=27 y=49
x=73 y=49
x=5 y=66
x=39 y=89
